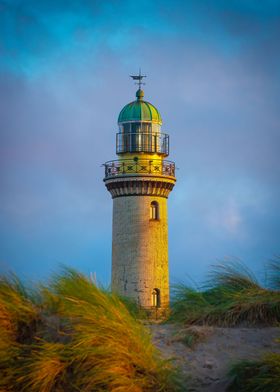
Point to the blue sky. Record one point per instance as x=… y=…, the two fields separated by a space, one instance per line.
x=213 y=72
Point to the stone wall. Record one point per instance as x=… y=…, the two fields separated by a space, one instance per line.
x=140 y=249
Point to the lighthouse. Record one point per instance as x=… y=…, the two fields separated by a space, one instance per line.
x=139 y=182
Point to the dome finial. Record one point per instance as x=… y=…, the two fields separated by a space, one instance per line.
x=139 y=94
x=139 y=77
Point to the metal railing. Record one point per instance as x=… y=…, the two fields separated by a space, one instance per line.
x=127 y=167
x=142 y=142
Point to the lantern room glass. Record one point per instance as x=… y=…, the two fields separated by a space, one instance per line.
x=142 y=137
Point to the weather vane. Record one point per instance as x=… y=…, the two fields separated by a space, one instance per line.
x=139 y=78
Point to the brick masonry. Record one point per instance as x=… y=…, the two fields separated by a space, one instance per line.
x=140 y=249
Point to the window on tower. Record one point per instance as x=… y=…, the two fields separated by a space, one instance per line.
x=138 y=136
x=156 y=298
x=154 y=210
x=125 y=128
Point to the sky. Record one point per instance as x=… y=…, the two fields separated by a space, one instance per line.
x=213 y=72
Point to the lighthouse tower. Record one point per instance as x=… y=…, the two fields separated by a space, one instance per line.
x=140 y=181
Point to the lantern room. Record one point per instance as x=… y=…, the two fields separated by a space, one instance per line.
x=140 y=129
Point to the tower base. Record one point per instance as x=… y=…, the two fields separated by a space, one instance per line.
x=159 y=314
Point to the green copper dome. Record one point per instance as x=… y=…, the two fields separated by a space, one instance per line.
x=140 y=110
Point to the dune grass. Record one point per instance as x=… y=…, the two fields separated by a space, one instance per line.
x=256 y=376
x=192 y=335
x=274 y=272
x=74 y=336
x=231 y=296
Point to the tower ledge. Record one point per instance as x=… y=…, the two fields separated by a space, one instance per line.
x=142 y=167
x=140 y=186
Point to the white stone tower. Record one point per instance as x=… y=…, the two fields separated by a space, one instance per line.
x=140 y=182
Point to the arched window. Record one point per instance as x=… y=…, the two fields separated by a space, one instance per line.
x=156 y=298
x=154 y=210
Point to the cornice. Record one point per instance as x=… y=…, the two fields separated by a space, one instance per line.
x=140 y=186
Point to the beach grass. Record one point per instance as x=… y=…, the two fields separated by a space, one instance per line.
x=192 y=335
x=74 y=336
x=231 y=296
x=256 y=376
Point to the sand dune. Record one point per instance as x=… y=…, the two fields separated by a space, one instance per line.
x=207 y=363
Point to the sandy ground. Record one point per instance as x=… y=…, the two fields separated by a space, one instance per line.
x=207 y=363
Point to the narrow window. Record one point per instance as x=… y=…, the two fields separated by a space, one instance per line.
x=156 y=298
x=126 y=127
x=154 y=210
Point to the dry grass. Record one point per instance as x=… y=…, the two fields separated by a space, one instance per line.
x=45 y=369
x=232 y=296
x=273 y=269
x=18 y=318
x=74 y=336
x=192 y=335
x=256 y=376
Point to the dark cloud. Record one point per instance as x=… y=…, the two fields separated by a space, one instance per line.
x=213 y=72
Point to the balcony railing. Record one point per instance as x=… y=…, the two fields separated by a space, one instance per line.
x=128 y=167
x=142 y=142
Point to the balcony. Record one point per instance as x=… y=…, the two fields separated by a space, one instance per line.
x=138 y=167
x=142 y=142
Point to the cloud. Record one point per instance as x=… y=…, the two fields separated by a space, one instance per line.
x=38 y=37
x=226 y=217
x=213 y=72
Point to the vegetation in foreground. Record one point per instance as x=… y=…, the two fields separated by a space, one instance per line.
x=73 y=336
x=192 y=335
x=256 y=376
x=231 y=297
